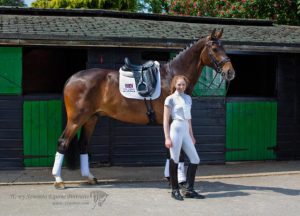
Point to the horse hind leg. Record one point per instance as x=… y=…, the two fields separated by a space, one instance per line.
x=84 y=141
x=63 y=143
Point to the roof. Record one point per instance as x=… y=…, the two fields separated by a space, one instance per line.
x=100 y=28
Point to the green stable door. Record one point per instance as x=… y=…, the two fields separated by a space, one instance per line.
x=10 y=70
x=251 y=130
x=42 y=126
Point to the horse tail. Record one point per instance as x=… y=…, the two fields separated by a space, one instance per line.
x=72 y=154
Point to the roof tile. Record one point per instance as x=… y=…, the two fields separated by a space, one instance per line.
x=102 y=28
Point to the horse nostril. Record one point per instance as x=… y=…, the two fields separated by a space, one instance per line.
x=230 y=75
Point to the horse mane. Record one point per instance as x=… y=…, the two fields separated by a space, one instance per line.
x=184 y=50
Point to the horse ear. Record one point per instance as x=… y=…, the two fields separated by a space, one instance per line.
x=219 y=34
x=212 y=35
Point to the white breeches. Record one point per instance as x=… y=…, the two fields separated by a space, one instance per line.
x=181 y=138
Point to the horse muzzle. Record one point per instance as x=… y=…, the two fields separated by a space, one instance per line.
x=229 y=75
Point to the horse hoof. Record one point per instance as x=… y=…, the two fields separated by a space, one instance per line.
x=93 y=181
x=59 y=185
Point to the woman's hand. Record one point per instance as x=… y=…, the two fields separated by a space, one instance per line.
x=191 y=132
x=194 y=140
x=168 y=143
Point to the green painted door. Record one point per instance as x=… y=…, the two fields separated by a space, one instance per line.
x=11 y=70
x=42 y=126
x=251 y=130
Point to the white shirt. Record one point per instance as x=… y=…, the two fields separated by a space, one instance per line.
x=180 y=105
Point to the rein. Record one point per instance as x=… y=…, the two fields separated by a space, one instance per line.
x=211 y=83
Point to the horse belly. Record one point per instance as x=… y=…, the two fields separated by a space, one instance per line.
x=131 y=114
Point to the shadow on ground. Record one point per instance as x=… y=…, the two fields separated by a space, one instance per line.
x=215 y=189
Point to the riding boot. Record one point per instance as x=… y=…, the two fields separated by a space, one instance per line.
x=174 y=180
x=189 y=191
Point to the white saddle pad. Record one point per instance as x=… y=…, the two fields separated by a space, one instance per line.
x=128 y=88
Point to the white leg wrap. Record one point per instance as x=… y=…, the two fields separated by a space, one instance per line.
x=181 y=172
x=91 y=176
x=56 y=171
x=84 y=165
x=58 y=179
x=167 y=171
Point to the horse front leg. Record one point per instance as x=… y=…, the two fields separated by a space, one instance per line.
x=84 y=141
x=63 y=145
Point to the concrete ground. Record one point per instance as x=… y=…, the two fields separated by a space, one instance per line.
x=256 y=188
x=258 y=196
x=133 y=174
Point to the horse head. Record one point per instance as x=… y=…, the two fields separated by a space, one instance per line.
x=214 y=55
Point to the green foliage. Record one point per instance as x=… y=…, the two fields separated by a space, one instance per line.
x=18 y=3
x=281 y=11
x=156 y=6
x=129 y=5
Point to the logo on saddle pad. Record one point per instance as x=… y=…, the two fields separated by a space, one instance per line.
x=128 y=87
x=140 y=81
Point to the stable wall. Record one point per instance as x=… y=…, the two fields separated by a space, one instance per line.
x=11 y=136
x=33 y=117
x=288 y=146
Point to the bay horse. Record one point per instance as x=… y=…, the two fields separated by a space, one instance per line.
x=92 y=93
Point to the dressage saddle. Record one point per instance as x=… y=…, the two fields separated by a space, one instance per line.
x=132 y=67
x=145 y=76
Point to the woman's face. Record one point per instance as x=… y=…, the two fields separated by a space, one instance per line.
x=180 y=85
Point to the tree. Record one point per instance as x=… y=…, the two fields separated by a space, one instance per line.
x=156 y=6
x=281 y=11
x=129 y=5
x=18 y=3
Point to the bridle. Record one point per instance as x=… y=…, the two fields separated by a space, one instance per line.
x=218 y=65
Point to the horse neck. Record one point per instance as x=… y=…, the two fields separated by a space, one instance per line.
x=187 y=63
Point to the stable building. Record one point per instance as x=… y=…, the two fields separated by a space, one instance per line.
x=257 y=119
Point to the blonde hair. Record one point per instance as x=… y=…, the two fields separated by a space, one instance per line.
x=175 y=79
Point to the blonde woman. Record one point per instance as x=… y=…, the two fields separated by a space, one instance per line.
x=179 y=135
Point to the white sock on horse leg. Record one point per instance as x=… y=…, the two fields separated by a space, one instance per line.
x=84 y=166
x=91 y=176
x=56 y=171
x=181 y=172
x=167 y=171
